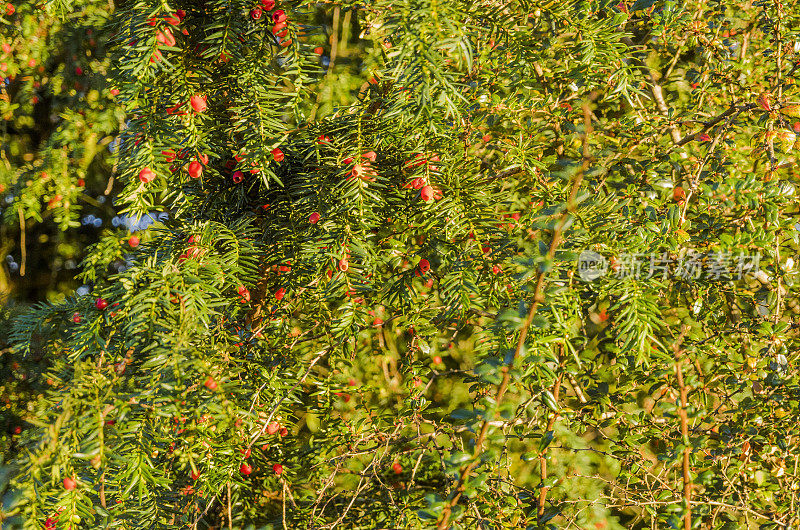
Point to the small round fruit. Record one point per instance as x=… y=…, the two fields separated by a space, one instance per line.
x=244 y=294
x=397 y=468
x=76 y=317
x=426 y=193
x=101 y=303
x=211 y=384
x=69 y=483
x=238 y=177
x=146 y=175
x=277 y=469
x=195 y=169
x=424 y=265
x=133 y=241
x=198 y=103
x=313 y=218
x=245 y=469
x=273 y=427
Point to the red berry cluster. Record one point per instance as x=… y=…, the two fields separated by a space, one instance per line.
x=426 y=191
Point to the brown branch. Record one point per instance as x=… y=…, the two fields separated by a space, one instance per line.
x=687 y=472
x=538 y=299
x=23 y=248
x=543 y=454
x=734 y=109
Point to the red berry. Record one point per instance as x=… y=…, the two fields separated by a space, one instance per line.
x=246 y=452
x=277 y=154
x=496 y=269
x=397 y=468
x=424 y=265
x=198 y=103
x=318 y=50
x=277 y=469
x=426 y=193
x=17 y=429
x=133 y=241
x=279 y=294
x=195 y=475
x=256 y=13
x=238 y=177
x=343 y=265
x=165 y=37
x=69 y=483
x=268 y=4
x=245 y=469
x=796 y=126
x=101 y=303
x=313 y=218
x=244 y=293
x=180 y=13
x=284 y=432
x=278 y=16
x=211 y=384
x=195 y=169
x=146 y=175
x=78 y=70
x=203 y=158
x=678 y=194
x=437 y=360
x=76 y=317
x=377 y=322
x=273 y=427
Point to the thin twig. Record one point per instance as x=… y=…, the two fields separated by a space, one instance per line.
x=538 y=299
x=687 y=474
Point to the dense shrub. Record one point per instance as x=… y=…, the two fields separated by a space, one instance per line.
x=427 y=264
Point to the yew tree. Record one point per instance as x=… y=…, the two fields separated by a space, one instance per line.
x=426 y=264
